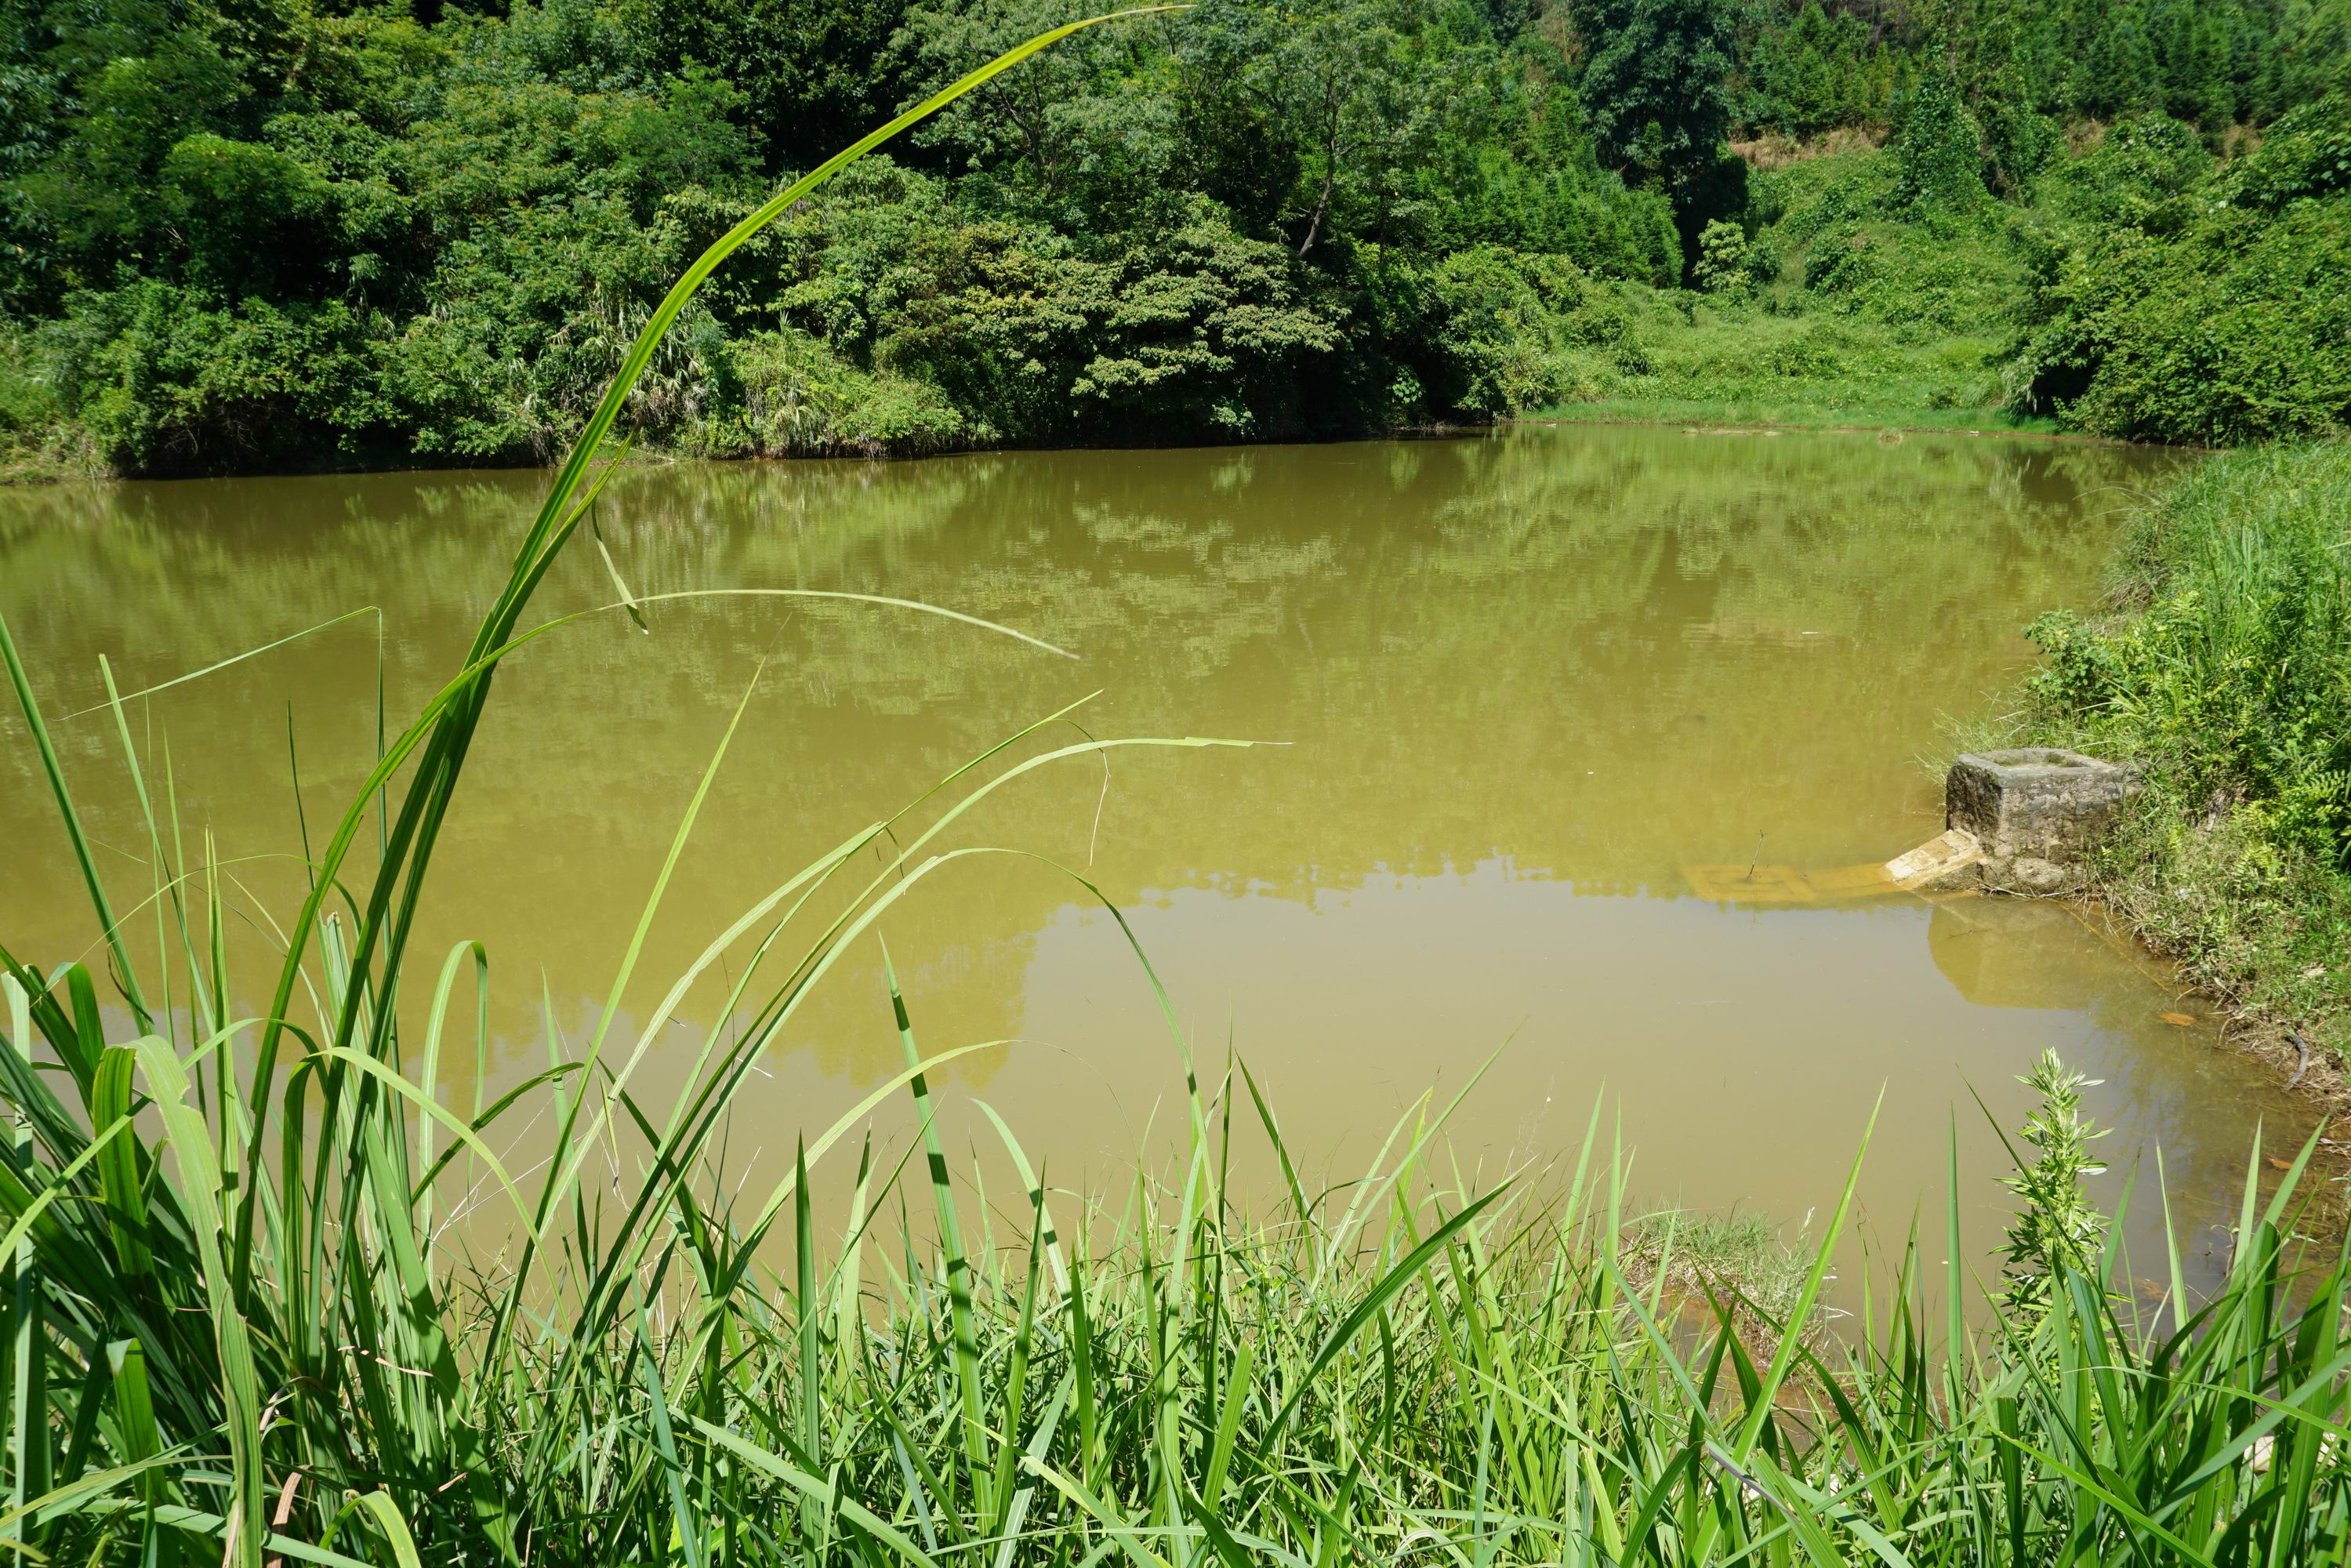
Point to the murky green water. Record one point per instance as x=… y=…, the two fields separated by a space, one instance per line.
x=1520 y=683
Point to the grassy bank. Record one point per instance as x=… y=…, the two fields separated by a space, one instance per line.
x=1779 y=353
x=2223 y=669
x=1710 y=363
x=1862 y=411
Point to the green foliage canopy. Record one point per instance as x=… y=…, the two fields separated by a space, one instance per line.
x=281 y=233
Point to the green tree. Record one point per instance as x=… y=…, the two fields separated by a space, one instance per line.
x=1078 y=133
x=1365 y=93
x=2191 y=45
x=1656 y=83
x=2018 y=138
x=2306 y=58
x=2006 y=85
x=89 y=198
x=1722 y=258
x=2115 y=71
x=248 y=212
x=815 y=74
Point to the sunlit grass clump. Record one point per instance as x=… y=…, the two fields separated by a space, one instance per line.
x=237 y=1328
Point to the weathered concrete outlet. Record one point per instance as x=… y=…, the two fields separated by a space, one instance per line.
x=2016 y=822
x=2035 y=812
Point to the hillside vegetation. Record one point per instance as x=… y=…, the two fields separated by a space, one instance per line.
x=2147 y=290
x=293 y=233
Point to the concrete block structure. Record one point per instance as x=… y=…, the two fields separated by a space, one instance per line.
x=2036 y=811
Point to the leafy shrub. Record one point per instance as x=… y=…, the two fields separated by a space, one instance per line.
x=1514 y=326
x=2057 y=1229
x=165 y=380
x=799 y=399
x=1722 y=258
x=243 y=207
x=1819 y=352
x=1497 y=330
x=2238 y=331
x=2019 y=140
x=2306 y=154
x=2133 y=175
x=2196 y=306
x=1846 y=236
x=1194 y=330
x=1937 y=153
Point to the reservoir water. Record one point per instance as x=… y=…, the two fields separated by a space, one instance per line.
x=1508 y=690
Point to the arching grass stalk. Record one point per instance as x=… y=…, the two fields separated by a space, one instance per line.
x=265 y=1245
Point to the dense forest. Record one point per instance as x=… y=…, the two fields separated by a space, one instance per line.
x=258 y=233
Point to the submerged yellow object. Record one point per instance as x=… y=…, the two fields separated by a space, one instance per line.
x=1944 y=855
x=1920 y=869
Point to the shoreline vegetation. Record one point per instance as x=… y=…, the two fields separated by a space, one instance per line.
x=2221 y=666
x=237 y=1330
x=420 y=233
x=1727 y=417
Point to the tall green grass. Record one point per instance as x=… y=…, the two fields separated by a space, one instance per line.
x=2225 y=673
x=235 y=1325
